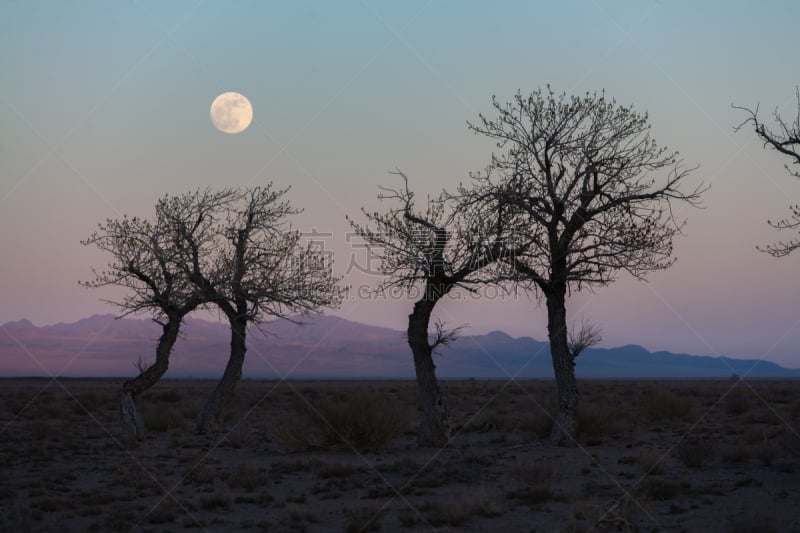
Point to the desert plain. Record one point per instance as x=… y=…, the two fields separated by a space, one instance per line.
x=651 y=455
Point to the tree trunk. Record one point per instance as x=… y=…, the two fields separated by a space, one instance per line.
x=212 y=411
x=132 y=422
x=434 y=428
x=565 y=424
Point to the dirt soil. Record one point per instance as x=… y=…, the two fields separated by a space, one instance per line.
x=342 y=456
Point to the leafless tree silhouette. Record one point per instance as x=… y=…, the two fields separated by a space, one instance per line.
x=442 y=247
x=144 y=257
x=250 y=265
x=786 y=140
x=596 y=193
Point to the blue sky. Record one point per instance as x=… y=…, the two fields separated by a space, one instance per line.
x=104 y=107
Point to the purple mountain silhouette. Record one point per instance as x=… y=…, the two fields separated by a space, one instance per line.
x=324 y=347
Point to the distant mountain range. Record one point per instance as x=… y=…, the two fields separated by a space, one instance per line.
x=327 y=347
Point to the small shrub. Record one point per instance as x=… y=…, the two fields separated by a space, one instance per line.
x=658 y=405
x=592 y=425
x=735 y=454
x=405 y=466
x=695 y=454
x=767 y=452
x=215 y=501
x=751 y=522
x=86 y=402
x=297 y=435
x=40 y=429
x=430 y=480
x=288 y=467
x=485 y=421
x=328 y=471
x=202 y=475
x=119 y=519
x=653 y=462
x=748 y=482
x=363 y=519
x=364 y=422
x=163 y=514
x=49 y=505
x=408 y=518
x=445 y=514
x=620 y=517
x=488 y=509
x=656 y=489
x=536 y=484
x=737 y=404
x=536 y=474
x=247 y=477
x=754 y=435
x=296 y=498
x=294 y=520
x=535 y=495
x=597 y=421
x=168 y=396
x=540 y=424
x=160 y=419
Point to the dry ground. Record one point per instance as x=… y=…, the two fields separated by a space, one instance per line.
x=652 y=456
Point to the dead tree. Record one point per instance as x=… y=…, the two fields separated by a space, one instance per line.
x=785 y=140
x=441 y=248
x=596 y=196
x=251 y=266
x=143 y=262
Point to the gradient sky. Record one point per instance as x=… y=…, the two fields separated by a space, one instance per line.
x=104 y=107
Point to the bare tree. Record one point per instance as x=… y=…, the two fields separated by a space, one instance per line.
x=441 y=248
x=250 y=266
x=144 y=254
x=785 y=140
x=596 y=193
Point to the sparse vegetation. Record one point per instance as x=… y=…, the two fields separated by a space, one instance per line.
x=661 y=405
x=85 y=481
x=737 y=404
x=659 y=489
x=653 y=462
x=219 y=500
x=362 y=422
x=248 y=477
x=363 y=519
x=695 y=453
x=446 y=514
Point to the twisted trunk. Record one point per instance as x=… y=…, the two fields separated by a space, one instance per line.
x=132 y=422
x=223 y=393
x=434 y=428
x=565 y=423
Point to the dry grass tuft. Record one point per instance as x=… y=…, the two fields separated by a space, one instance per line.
x=158 y=418
x=659 y=489
x=737 y=403
x=659 y=405
x=751 y=522
x=363 y=519
x=248 y=477
x=536 y=487
x=296 y=435
x=653 y=462
x=446 y=514
x=695 y=453
x=365 y=421
x=362 y=422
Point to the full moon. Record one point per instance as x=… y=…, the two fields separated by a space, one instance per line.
x=231 y=112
